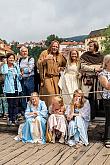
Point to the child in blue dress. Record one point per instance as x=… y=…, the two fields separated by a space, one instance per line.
x=33 y=130
x=78 y=116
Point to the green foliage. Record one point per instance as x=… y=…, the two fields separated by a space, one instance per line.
x=15 y=48
x=35 y=52
x=51 y=38
x=5 y=42
x=106 y=43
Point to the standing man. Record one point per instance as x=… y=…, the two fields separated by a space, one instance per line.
x=91 y=63
x=50 y=63
x=26 y=64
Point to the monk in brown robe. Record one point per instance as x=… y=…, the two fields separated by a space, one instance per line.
x=91 y=63
x=50 y=63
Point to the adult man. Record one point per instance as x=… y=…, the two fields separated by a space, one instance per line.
x=27 y=68
x=91 y=62
x=50 y=63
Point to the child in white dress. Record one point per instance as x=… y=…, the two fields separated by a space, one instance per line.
x=57 y=121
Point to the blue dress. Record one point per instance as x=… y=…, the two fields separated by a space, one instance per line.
x=34 y=128
x=77 y=128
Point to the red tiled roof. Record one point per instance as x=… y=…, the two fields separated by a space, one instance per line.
x=68 y=43
x=72 y=43
x=67 y=49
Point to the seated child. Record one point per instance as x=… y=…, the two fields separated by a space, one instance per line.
x=78 y=117
x=34 y=128
x=56 y=121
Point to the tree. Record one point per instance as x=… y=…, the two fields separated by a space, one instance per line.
x=106 y=43
x=15 y=48
x=5 y=42
x=51 y=38
x=35 y=51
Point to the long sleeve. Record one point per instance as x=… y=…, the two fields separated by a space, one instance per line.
x=41 y=64
x=42 y=57
x=85 y=111
x=4 y=69
x=27 y=111
x=42 y=109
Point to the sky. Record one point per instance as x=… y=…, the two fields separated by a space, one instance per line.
x=34 y=20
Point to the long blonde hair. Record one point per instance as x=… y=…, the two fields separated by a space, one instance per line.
x=50 y=47
x=69 y=60
x=82 y=101
x=59 y=100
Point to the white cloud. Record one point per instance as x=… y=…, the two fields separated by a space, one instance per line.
x=25 y=20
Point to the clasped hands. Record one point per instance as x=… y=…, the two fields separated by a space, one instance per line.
x=34 y=114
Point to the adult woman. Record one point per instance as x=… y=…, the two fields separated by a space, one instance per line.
x=34 y=128
x=57 y=121
x=104 y=78
x=91 y=62
x=69 y=80
x=12 y=86
x=50 y=63
x=78 y=116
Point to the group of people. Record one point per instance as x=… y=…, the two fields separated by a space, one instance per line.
x=65 y=124
x=59 y=75
x=19 y=79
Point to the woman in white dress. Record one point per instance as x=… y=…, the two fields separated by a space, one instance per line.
x=69 y=80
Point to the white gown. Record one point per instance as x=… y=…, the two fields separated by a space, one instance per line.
x=68 y=82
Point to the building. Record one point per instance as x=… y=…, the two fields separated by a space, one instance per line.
x=4 y=49
x=66 y=46
x=96 y=35
x=32 y=44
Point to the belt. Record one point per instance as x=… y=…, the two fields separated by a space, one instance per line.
x=51 y=75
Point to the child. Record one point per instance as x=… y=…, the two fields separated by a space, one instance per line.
x=57 y=121
x=34 y=128
x=78 y=116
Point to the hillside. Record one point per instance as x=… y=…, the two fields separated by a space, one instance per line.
x=76 y=38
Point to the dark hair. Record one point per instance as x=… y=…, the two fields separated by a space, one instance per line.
x=96 y=45
x=10 y=54
x=50 y=47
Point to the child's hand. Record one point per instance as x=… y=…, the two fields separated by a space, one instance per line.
x=69 y=117
x=5 y=61
x=60 y=113
x=35 y=113
x=22 y=71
